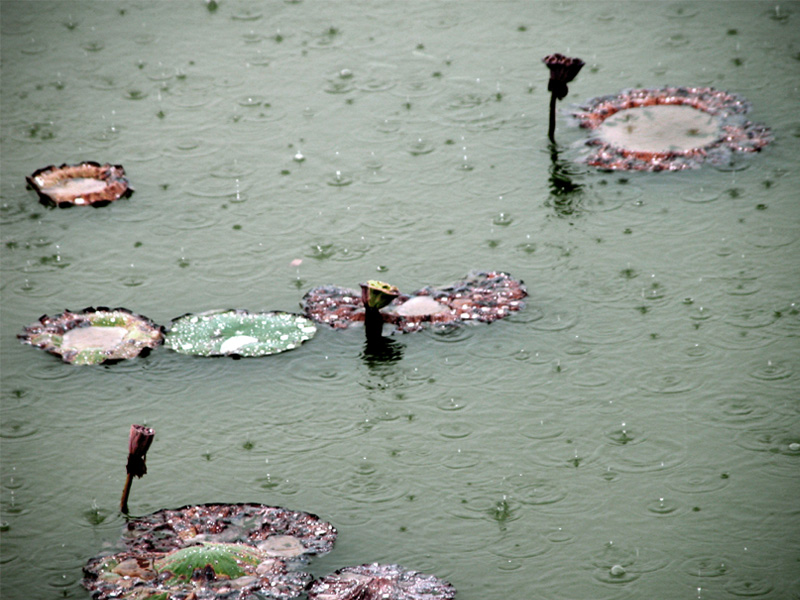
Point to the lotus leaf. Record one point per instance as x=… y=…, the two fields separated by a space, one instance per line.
x=86 y=184
x=668 y=129
x=94 y=335
x=278 y=532
x=223 y=560
x=482 y=296
x=209 y=571
x=380 y=582
x=238 y=333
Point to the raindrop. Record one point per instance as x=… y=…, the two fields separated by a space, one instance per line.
x=339 y=179
x=662 y=506
x=502 y=219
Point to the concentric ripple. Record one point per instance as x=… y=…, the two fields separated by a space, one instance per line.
x=706 y=566
x=654 y=455
x=698 y=480
x=736 y=410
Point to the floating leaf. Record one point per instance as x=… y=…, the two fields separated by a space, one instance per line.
x=212 y=551
x=278 y=532
x=238 y=333
x=668 y=129
x=88 y=183
x=482 y=296
x=217 y=561
x=379 y=582
x=94 y=335
x=209 y=571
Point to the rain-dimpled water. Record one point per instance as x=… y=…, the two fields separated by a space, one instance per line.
x=632 y=432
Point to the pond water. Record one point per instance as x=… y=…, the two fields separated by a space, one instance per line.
x=632 y=433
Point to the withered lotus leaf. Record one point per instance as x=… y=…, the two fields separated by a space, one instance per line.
x=94 y=335
x=668 y=129
x=380 y=582
x=85 y=184
x=482 y=296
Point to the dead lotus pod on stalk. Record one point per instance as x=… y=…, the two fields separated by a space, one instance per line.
x=87 y=183
x=139 y=441
x=562 y=70
x=375 y=295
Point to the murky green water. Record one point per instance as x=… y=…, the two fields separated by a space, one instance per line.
x=642 y=412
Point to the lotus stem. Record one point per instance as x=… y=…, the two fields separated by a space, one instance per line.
x=139 y=441
x=373 y=323
x=551 y=132
x=123 y=504
x=375 y=295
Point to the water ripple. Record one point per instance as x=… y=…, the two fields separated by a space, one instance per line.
x=737 y=410
x=541 y=429
x=556 y=319
x=698 y=480
x=663 y=507
x=772 y=371
x=455 y=430
x=567 y=584
x=619 y=563
x=706 y=566
x=538 y=492
x=788 y=320
x=730 y=337
x=564 y=453
x=654 y=455
x=462 y=459
x=777 y=440
x=189 y=148
x=522 y=541
x=670 y=380
x=376 y=82
x=749 y=586
x=365 y=484
x=486 y=504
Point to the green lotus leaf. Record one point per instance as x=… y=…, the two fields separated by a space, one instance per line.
x=226 y=560
x=238 y=333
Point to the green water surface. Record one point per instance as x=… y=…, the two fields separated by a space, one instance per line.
x=633 y=433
